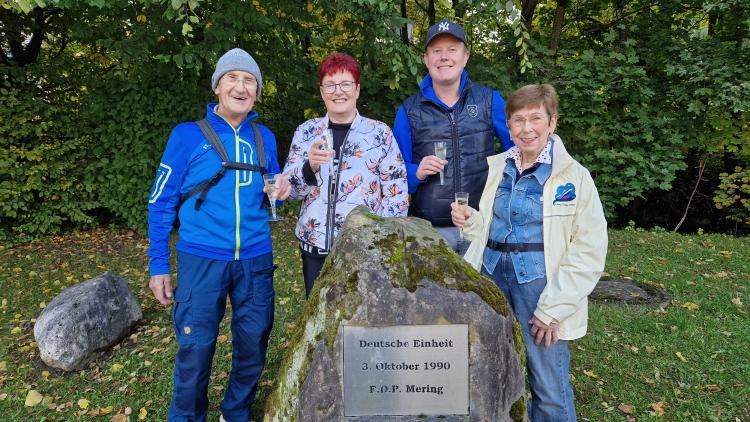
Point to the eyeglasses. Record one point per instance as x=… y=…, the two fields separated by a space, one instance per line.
x=330 y=88
x=248 y=83
x=534 y=120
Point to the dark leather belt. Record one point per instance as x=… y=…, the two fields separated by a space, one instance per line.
x=515 y=247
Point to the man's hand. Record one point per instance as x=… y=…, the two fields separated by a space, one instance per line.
x=283 y=187
x=430 y=165
x=543 y=332
x=317 y=156
x=459 y=214
x=161 y=285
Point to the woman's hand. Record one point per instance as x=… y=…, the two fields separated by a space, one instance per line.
x=460 y=214
x=543 y=332
x=283 y=187
x=317 y=156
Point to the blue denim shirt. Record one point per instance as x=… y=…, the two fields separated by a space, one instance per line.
x=517 y=218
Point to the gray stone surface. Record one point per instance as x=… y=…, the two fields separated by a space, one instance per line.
x=84 y=319
x=398 y=272
x=629 y=292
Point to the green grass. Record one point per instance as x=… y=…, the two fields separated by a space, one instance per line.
x=629 y=356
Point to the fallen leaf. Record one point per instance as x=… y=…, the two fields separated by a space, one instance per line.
x=42 y=305
x=737 y=301
x=650 y=349
x=16 y=330
x=591 y=374
x=106 y=410
x=45 y=374
x=626 y=408
x=83 y=403
x=222 y=338
x=3 y=396
x=142 y=414
x=119 y=418
x=128 y=410
x=679 y=355
x=710 y=387
x=3 y=366
x=33 y=398
x=690 y=306
x=117 y=367
x=726 y=254
x=659 y=408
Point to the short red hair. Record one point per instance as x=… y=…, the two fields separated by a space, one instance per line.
x=338 y=62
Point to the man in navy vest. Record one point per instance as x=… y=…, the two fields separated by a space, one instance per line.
x=449 y=108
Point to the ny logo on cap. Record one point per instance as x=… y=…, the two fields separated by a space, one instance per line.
x=444 y=26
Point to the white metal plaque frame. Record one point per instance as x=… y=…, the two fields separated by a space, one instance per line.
x=406 y=370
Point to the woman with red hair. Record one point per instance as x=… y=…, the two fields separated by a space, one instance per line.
x=339 y=161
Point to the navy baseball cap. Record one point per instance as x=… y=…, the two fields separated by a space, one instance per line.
x=445 y=26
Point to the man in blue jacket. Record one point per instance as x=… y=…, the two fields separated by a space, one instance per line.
x=224 y=245
x=448 y=108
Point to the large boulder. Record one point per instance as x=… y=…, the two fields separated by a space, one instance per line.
x=398 y=272
x=84 y=319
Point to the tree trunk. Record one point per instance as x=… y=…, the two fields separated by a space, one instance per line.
x=557 y=24
x=28 y=54
x=527 y=12
x=431 y=12
x=713 y=18
x=405 y=28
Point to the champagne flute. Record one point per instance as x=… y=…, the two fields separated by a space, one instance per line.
x=269 y=180
x=462 y=200
x=440 y=151
x=328 y=137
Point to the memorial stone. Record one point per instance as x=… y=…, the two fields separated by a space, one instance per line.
x=400 y=328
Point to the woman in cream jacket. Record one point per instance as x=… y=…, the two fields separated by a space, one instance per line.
x=540 y=234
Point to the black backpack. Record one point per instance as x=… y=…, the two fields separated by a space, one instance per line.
x=215 y=142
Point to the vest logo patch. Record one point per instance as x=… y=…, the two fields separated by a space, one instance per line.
x=472 y=110
x=565 y=193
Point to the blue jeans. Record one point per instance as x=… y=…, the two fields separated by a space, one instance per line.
x=199 y=305
x=548 y=369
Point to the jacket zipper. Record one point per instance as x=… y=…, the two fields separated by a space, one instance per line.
x=456 y=153
x=333 y=194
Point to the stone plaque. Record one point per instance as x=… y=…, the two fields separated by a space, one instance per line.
x=406 y=370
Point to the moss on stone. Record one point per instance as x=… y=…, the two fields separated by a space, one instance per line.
x=518 y=409
x=374 y=217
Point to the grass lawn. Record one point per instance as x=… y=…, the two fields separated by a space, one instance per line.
x=690 y=361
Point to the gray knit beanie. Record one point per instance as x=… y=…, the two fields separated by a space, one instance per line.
x=236 y=59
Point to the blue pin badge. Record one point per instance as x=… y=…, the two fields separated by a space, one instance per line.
x=565 y=193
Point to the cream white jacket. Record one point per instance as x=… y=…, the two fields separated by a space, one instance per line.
x=575 y=239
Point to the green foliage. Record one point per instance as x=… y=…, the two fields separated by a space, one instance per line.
x=642 y=86
x=734 y=194
x=42 y=162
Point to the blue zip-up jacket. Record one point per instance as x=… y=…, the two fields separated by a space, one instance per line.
x=231 y=223
x=403 y=135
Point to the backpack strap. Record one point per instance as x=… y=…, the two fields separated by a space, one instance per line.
x=213 y=139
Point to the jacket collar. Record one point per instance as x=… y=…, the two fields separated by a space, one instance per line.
x=560 y=157
x=428 y=92
x=217 y=121
x=355 y=123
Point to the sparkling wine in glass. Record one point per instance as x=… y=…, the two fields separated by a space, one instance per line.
x=440 y=152
x=269 y=180
x=328 y=136
x=462 y=200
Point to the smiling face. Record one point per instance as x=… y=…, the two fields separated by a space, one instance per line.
x=341 y=106
x=445 y=58
x=237 y=92
x=530 y=128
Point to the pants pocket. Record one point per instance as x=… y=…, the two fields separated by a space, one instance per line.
x=262 y=291
x=182 y=316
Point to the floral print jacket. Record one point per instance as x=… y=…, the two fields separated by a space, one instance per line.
x=370 y=171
